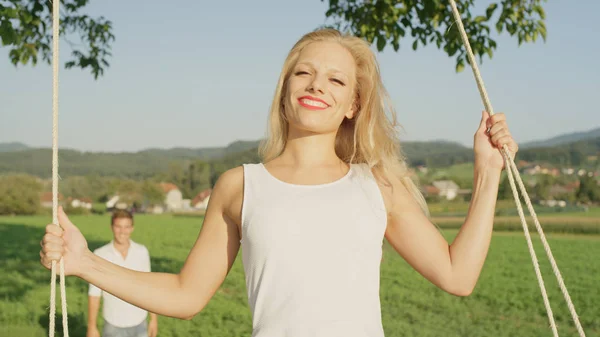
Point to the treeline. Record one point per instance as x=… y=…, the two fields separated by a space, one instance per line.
x=194 y=176
x=138 y=165
x=436 y=154
x=547 y=187
x=147 y=164
x=21 y=193
x=135 y=176
x=572 y=154
x=444 y=154
x=73 y=163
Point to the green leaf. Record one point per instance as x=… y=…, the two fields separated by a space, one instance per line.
x=8 y=34
x=415 y=44
x=543 y=32
x=499 y=26
x=479 y=19
x=401 y=31
x=538 y=9
x=24 y=58
x=512 y=28
x=10 y=13
x=380 y=43
x=363 y=30
x=460 y=66
x=330 y=12
x=490 y=10
x=27 y=17
x=14 y=55
x=452 y=49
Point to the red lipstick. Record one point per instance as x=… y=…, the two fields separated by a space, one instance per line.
x=316 y=104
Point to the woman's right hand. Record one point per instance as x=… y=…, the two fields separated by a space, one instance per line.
x=64 y=241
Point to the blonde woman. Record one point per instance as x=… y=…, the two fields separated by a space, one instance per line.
x=311 y=218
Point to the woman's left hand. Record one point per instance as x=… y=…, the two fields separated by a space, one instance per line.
x=487 y=144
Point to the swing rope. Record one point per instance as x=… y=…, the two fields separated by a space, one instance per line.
x=512 y=169
x=63 y=292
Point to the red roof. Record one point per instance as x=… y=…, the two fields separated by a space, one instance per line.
x=201 y=196
x=573 y=185
x=47 y=197
x=430 y=189
x=168 y=187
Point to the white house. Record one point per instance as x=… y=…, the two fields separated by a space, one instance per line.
x=112 y=202
x=156 y=209
x=173 y=196
x=81 y=203
x=115 y=202
x=448 y=189
x=201 y=199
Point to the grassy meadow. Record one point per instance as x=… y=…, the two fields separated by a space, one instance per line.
x=506 y=302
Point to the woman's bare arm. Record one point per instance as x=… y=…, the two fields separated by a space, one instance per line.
x=180 y=295
x=455 y=268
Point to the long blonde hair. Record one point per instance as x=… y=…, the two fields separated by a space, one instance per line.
x=370 y=137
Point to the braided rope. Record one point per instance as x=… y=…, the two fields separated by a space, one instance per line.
x=512 y=168
x=63 y=293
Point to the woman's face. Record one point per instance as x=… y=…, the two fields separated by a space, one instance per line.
x=320 y=91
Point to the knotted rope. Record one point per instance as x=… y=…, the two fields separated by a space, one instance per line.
x=511 y=169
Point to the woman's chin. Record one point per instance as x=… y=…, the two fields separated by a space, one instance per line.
x=313 y=123
x=311 y=128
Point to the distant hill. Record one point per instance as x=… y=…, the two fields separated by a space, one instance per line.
x=38 y=162
x=240 y=146
x=562 y=139
x=15 y=146
x=575 y=153
x=141 y=164
x=18 y=157
x=149 y=162
x=201 y=153
x=436 y=153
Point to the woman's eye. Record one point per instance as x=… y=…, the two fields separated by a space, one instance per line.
x=337 y=81
x=301 y=72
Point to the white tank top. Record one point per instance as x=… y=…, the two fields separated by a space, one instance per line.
x=312 y=253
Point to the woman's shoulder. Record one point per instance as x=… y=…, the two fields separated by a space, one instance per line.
x=231 y=180
x=228 y=192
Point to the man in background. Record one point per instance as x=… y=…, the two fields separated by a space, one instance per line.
x=121 y=319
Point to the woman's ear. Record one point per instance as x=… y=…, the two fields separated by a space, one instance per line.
x=354 y=108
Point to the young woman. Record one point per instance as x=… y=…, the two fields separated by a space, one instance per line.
x=312 y=217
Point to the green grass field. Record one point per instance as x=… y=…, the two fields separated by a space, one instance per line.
x=506 y=302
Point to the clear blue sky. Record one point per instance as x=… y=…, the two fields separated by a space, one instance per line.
x=202 y=73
